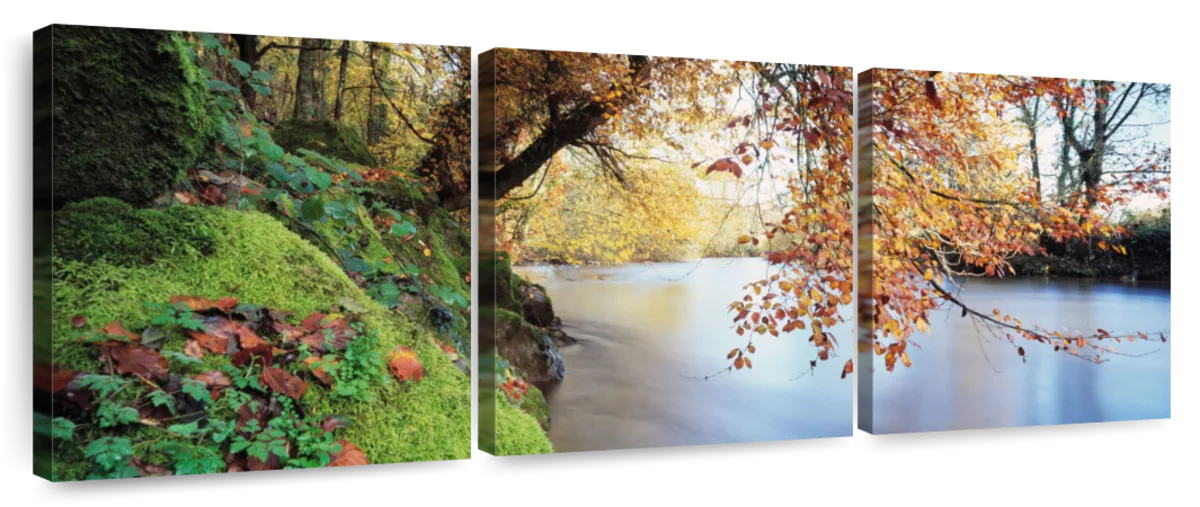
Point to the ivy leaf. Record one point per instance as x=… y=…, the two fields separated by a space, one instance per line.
x=403 y=228
x=313 y=209
x=273 y=153
x=335 y=209
x=243 y=68
x=262 y=76
x=218 y=86
x=260 y=89
x=209 y=41
x=184 y=429
x=62 y=429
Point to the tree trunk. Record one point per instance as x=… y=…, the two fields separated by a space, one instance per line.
x=1093 y=168
x=248 y=52
x=307 y=105
x=341 y=86
x=371 y=98
x=1030 y=118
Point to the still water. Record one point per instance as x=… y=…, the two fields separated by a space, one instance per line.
x=643 y=328
x=963 y=378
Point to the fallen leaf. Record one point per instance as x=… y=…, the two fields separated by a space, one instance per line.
x=135 y=359
x=317 y=365
x=405 y=365
x=350 y=455
x=147 y=469
x=215 y=344
x=116 y=329
x=78 y=321
x=194 y=349
x=333 y=422
x=312 y=322
x=282 y=382
x=199 y=304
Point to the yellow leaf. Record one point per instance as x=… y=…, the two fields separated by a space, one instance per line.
x=928 y=274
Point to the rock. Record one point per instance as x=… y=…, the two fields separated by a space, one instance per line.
x=535 y=306
x=325 y=137
x=531 y=350
x=130 y=113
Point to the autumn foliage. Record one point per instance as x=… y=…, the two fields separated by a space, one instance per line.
x=953 y=195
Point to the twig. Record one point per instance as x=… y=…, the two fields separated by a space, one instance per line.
x=706 y=377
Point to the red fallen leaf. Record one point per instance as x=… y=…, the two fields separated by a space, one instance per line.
x=848 y=368
x=312 y=322
x=350 y=455
x=339 y=335
x=287 y=331
x=194 y=349
x=199 y=304
x=147 y=469
x=139 y=360
x=52 y=378
x=250 y=341
x=78 y=321
x=116 y=329
x=317 y=367
x=215 y=344
x=405 y=365
x=282 y=382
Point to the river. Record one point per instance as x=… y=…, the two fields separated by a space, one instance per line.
x=963 y=378
x=644 y=328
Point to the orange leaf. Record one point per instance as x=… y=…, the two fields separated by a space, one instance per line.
x=350 y=455
x=405 y=365
x=116 y=329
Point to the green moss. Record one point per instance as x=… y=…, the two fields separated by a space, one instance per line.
x=454 y=236
x=130 y=113
x=426 y=420
x=325 y=137
x=534 y=404
x=517 y=432
x=463 y=265
x=105 y=228
x=508 y=284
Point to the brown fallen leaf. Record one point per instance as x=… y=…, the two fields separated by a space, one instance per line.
x=194 y=349
x=317 y=366
x=135 y=359
x=199 y=304
x=147 y=469
x=350 y=455
x=405 y=365
x=78 y=321
x=116 y=329
x=282 y=382
x=215 y=344
x=312 y=322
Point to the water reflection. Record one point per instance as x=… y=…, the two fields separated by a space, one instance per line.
x=642 y=327
x=963 y=377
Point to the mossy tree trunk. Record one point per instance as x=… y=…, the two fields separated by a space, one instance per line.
x=130 y=113
x=307 y=83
